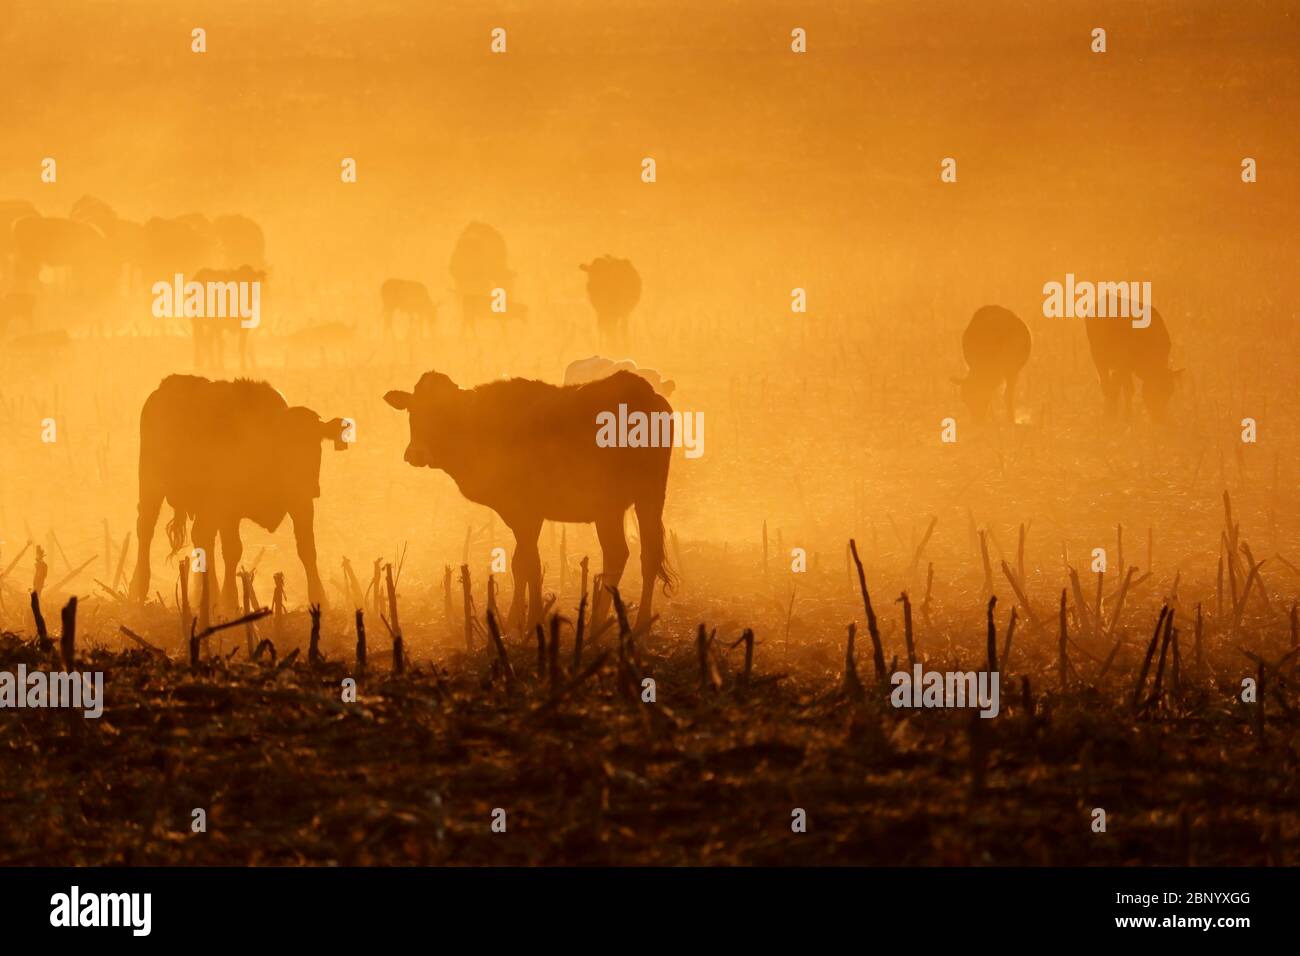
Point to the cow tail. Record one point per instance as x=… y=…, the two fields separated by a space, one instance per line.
x=176 y=530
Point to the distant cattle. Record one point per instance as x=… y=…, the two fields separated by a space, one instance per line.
x=1121 y=352
x=614 y=288
x=219 y=452
x=581 y=371
x=211 y=331
x=478 y=267
x=996 y=347
x=408 y=298
x=528 y=451
x=77 y=253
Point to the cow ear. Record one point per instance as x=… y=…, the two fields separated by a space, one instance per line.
x=399 y=400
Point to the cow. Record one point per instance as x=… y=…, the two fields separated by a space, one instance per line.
x=411 y=299
x=996 y=347
x=478 y=267
x=77 y=250
x=528 y=450
x=210 y=331
x=614 y=288
x=1121 y=352
x=581 y=371
x=219 y=452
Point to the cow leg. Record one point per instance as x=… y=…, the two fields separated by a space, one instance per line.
x=526 y=569
x=232 y=549
x=1011 y=395
x=204 y=537
x=304 y=534
x=151 y=500
x=614 y=552
x=650 y=520
x=1126 y=389
x=1110 y=391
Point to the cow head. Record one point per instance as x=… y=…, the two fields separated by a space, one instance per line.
x=976 y=391
x=299 y=432
x=1158 y=389
x=434 y=411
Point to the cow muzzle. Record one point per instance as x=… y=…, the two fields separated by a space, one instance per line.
x=418 y=456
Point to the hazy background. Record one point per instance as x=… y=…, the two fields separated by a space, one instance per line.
x=775 y=171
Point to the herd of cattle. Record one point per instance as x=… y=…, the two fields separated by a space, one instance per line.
x=93 y=255
x=220 y=452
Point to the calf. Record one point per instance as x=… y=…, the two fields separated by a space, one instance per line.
x=996 y=347
x=1121 y=352
x=528 y=451
x=220 y=452
x=411 y=299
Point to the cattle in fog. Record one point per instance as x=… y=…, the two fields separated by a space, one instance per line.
x=614 y=288
x=408 y=298
x=528 y=451
x=220 y=452
x=1122 y=352
x=479 y=266
x=581 y=371
x=210 y=331
x=77 y=255
x=996 y=347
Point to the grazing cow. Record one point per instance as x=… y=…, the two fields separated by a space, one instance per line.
x=528 y=451
x=411 y=299
x=996 y=347
x=614 y=288
x=241 y=240
x=1120 y=352
x=581 y=371
x=478 y=265
x=210 y=331
x=220 y=452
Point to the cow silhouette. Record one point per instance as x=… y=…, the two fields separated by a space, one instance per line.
x=183 y=245
x=478 y=266
x=220 y=452
x=1121 y=352
x=211 y=331
x=996 y=347
x=614 y=288
x=528 y=451
x=411 y=299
